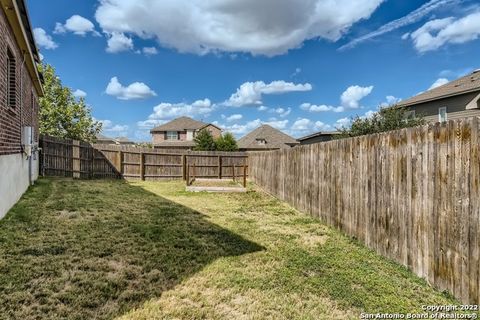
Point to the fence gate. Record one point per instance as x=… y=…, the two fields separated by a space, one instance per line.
x=76 y=159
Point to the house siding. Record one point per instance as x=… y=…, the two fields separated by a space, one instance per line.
x=25 y=112
x=317 y=139
x=214 y=131
x=455 y=107
x=16 y=170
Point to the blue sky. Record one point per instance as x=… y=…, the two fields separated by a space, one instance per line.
x=301 y=66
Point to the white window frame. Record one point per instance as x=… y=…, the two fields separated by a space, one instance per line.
x=190 y=135
x=261 y=142
x=442 y=110
x=172 y=135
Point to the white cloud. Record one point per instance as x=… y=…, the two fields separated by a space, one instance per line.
x=350 y=99
x=108 y=127
x=369 y=114
x=150 y=51
x=297 y=72
x=136 y=90
x=234 y=117
x=410 y=18
x=320 y=108
x=405 y=36
x=282 y=112
x=150 y=124
x=119 y=42
x=250 y=93
x=166 y=110
x=343 y=123
x=79 y=93
x=262 y=108
x=304 y=126
x=352 y=96
x=439 y=32
x=267 y=27
x=242 y=129
x=43 y=39
x=390 y=100
x=76 y=24
x=439 y=82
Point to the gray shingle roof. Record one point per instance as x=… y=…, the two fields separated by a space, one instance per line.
x=123 y=140
x=466 y=84
x=100 y=137
x=180 y=124
x=318 y=134
x=275 y=139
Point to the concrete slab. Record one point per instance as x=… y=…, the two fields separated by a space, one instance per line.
x=216 y=189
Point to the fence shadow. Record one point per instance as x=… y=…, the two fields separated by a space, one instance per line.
x=98 y=249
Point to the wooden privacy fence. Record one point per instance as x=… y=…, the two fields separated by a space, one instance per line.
x=82 y=160
x=76 y=159
x=411 y=195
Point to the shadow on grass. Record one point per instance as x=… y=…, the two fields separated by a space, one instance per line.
x=97 y=249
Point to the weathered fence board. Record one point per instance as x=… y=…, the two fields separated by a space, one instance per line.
x=411 y=195
x=82 y=160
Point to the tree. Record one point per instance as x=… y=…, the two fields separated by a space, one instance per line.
x=61 y=114
x=386 y=119
x=204 y=141
x=226 y=142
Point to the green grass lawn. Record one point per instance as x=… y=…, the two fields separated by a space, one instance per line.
x=150 y=250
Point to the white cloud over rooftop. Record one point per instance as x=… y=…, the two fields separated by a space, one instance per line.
x=267 y=27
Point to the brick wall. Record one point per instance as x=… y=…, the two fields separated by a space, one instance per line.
x=158 y=137
x=26 y=111
x=214 y=131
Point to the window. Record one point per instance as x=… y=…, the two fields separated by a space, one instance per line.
x=410 y=114
x=442 y=114
x=172 y=135
x=11 y=83
x=261 y=142
x=190 y=134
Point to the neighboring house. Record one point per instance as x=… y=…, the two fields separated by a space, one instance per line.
x=124 y=141
x=101 y=139
x=20 y=87
x=264 y=138
x=454 y=100
x=318 y=137
x=179 y=133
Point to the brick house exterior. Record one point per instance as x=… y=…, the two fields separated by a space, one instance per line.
x=179 y=133
x=20 y=88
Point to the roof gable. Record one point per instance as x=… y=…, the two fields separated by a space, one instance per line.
x=180 y=124
x=274 y=138
x=467 y=84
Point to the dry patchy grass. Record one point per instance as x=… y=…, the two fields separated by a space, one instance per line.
x=150 y=250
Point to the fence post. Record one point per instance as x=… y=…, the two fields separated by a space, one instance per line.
x=184 y=167
x=120 y=162
x=188 y=175
x=76 y=159
x=244 y=176
x=142 y=166
x=234 y=178
x=219 y=167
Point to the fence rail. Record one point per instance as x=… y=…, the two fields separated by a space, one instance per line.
x=82 y=160
x=411 y=195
